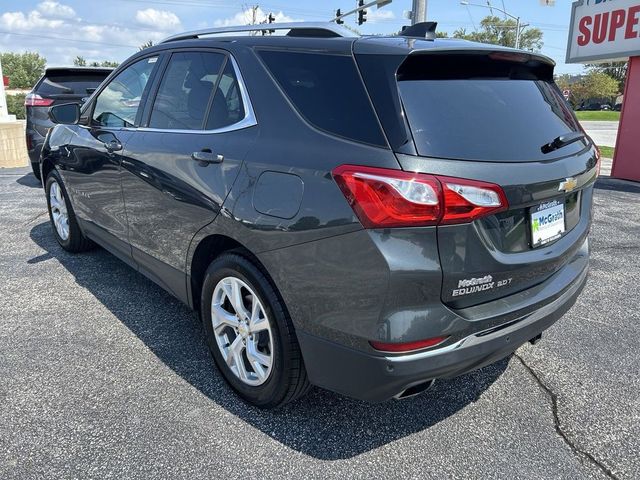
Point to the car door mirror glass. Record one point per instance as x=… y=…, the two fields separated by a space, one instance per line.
x=66 y=114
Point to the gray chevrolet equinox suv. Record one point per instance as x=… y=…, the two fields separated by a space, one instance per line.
x=364 y=214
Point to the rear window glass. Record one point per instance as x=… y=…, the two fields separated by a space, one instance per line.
x=328 y=93
x=495 y=114
x=81 y=84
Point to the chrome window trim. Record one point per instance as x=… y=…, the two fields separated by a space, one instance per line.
x=249 y=119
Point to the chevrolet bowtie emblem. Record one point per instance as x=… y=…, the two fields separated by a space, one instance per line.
x=568 y=185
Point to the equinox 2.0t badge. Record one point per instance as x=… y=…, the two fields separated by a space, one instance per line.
x=568 y=185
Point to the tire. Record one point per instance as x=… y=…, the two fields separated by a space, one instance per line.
x=264 y=385
x=71 y=237
x=36 y=170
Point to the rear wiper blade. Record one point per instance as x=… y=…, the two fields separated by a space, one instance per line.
x=563 y=141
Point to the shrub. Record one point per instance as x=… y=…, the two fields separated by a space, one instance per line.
x=15 y=105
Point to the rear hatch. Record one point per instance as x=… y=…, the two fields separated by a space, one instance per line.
x=57 y=86
x=486 y=115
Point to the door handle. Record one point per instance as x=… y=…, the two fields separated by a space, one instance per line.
x=206 y=156
x=113 y=146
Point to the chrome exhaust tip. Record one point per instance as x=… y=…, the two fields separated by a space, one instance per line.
x=415 y=389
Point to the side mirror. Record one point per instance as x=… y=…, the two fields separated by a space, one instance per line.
x=67 y=114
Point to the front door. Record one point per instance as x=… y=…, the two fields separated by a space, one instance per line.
x=92 y=160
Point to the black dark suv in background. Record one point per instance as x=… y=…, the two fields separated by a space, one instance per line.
x=57 y=86
x=365 y=214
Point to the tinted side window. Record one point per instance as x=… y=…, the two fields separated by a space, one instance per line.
x=117 y=105
x=328 y=92
x=227 y=107
x=185 y=91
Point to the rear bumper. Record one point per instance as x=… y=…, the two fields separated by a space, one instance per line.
x=376 y=378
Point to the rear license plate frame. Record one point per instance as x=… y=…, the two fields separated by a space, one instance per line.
x=547 y=222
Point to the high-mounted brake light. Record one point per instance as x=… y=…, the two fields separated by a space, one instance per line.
x=510 y=56
x=35 y=100
x=407 y=346
x=384 y=198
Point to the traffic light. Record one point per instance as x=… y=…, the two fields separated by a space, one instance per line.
x=339 y=21
x=362 y=14
x=271 y=19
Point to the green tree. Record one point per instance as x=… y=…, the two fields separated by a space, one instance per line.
x=617 y=70
x=82 y=62
x=108 y=63
x=594 y=85
x=23 y=69
x=498 y=31
x=563 y=81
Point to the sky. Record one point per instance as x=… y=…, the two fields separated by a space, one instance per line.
x=100 y=30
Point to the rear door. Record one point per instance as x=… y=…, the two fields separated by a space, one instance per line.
x=182 y=162
x=487 y=116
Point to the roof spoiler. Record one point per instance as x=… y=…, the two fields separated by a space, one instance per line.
x=422 y=30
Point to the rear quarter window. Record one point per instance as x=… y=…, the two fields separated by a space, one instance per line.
x=327 y=91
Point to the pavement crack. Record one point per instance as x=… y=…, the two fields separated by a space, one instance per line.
x=556 y=423
x=33 y=219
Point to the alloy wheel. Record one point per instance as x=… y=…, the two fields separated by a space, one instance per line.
x=242 y=331
x=59 y=212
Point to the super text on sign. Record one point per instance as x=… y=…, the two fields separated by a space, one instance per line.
x=604 y=30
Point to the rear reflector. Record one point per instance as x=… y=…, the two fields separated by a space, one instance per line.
x=35 y=100
x=407 y=346
x=384 y=198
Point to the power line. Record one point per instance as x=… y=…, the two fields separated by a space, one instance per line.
x=68 y=39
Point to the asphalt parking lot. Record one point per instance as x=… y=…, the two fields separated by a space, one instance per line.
x=103 y=375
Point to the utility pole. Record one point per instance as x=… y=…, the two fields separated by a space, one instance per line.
x=419 y=11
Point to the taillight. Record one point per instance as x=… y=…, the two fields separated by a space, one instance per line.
x=404 y=347
x=467 y=200
x=35 y=100
x=383 y=198
x=390 y=198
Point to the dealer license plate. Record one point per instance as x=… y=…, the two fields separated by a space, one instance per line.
x=547 y=222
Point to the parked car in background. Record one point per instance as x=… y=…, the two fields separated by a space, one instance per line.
x=365 y=214
x=58 y=85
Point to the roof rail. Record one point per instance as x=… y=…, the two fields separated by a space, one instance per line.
x=324 y=29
